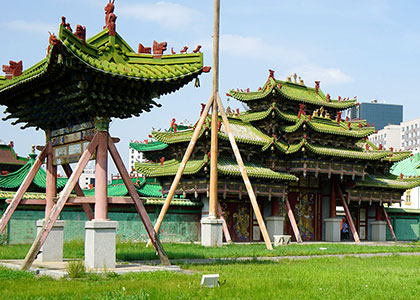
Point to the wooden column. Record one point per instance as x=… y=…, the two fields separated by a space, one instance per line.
x=51 y=182
x=293 y=221
x=333 y=202
x=388 y=222
x=101 y=176
x=274 y=207
x=378 y=212
x=348 y=215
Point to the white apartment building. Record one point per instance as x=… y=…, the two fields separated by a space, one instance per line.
x=133 y=156
x=410 y=135
x=389 y=137
x=87 y=179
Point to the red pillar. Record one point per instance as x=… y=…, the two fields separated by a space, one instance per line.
x=101 y=176
x=379 y=216
x=274 y=207
x=51 y=183
x=333 y=202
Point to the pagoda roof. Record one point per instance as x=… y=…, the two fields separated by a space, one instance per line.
x=291 y=91
x=8 y=156
x=388 y=182
x=15 y=179
x=99 y=77
x=225 y=166
x=149 y=146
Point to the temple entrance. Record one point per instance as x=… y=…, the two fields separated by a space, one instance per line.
x=241 y=221
x=306 y=208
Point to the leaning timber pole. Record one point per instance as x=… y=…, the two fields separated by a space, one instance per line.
x=214 y=116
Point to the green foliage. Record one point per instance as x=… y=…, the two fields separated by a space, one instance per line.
x=76 y=269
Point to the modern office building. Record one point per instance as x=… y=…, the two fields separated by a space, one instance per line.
x=380 y=114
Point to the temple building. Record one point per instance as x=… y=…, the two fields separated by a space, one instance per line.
x=303 y=161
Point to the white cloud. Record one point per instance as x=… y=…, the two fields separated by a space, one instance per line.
x=166 y=14
x=32 y=27
x=329 y=76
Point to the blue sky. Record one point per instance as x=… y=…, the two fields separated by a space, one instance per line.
x=369 y=49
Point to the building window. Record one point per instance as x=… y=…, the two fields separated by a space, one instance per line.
x=407 y=197
x=403 y=129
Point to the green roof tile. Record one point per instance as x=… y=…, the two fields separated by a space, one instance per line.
x=150 y=146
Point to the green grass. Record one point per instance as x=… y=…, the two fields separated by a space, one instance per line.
x=129 y=251
x=395 y=277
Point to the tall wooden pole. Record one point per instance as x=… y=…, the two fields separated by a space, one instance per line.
x=51 y=182
x=101 y=175
x=247 y=183
x=214 y=117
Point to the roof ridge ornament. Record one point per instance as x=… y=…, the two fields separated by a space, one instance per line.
x=110 y=17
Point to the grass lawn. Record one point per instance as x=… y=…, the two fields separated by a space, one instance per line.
x=128 y=251
x=394 y=277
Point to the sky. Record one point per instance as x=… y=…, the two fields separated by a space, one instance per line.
x=369 y=49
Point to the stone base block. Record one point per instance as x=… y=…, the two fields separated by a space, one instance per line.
x=275 y=225
x=100 y=244
x=332 y=229
x=378 y=231
x=211 y=232
x=52 y=250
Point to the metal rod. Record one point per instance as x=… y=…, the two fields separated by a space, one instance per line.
x=58 y=207
x=248 y=185
x=22 y=189
x=348 y=215
x=292 y=220
x=388 y=222
x=138 y=203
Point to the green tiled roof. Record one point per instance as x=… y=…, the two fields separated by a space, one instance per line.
x=15 y=179
x=150 y=146
x=291 y=91
x=389 y=182
x=137 y=78
x=408 y=167
x=225 y=166
x=346 y=153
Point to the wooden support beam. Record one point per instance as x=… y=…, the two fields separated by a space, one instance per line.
x=388 y=222
x=79 y=192
x=58 y=207
x=225 y=227
x=213 y=201
x=292 y=220
x=138 y=204
x=182 y=165
x=22 y=189
x=348 y=215
x=247 y=183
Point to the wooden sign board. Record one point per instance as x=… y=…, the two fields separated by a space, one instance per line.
x=69 y=143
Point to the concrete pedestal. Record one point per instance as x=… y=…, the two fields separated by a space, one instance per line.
x=378 y=231
x=100 y=244
x=275 y=225
x=211 y=232
x=52 y=250
x=332 y=229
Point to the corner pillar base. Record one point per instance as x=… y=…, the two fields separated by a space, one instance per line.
x=100 y=244
x=52 y=250
x=332 y=229
x=211 y=232
x=379 y=231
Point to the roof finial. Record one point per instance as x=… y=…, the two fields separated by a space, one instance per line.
x=110 y=17
x=271 y=74
x=295 y=77
x=317 y=86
